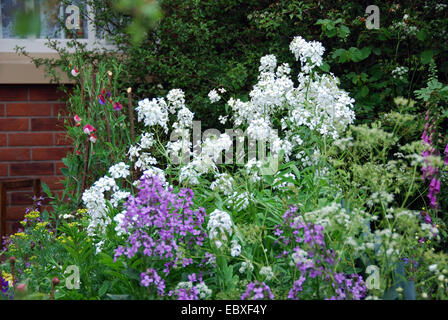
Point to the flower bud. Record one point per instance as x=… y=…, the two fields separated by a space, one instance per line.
x=55 y=281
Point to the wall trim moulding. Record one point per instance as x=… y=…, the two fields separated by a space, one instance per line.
x=17 y=69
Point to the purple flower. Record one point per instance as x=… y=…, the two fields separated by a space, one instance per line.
x=150 y=277
x=257 y=291
x=101 y=99
x=117 y=106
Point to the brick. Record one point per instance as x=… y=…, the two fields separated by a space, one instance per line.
x=62 y=139
x=16 y=212
x=45 y=93
x=53 y=182
x=47 y=124
x=14 y=124
x=13 y=227
x=2 y=140
x=60 y=109
x=15 y=154
x=2 y=110
x=13 y=93
x=28 y=109
x=3 y=169
x=29 y=169
x=30 y=139
x=58 y=166
x=50 y=153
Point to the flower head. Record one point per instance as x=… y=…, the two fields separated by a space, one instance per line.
x=88 y=129
x=75 y=71
x=117 y=106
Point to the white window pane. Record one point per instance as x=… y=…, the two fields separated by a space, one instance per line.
x=8 y=9
x=51 y=14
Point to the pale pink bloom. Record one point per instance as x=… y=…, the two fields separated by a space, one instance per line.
x=93 y=138
x=75 y=72
x=88 y=129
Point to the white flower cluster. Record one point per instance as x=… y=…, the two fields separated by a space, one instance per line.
x=335 y=216
x=156 y=111
x=300 y=256
x=317 y=102
x=120 y=170
x=239 y=201
x=95 y=204
x=235 y=249
x=280 y=184
x=219 y=226
x=246 y=266
x=381 y=197
x=400 y=72
x=267 y=272
x=214 y=96
x=203 y=291
x=309 y=53
x=153 y=112
x=205 y=160
x=223 y=183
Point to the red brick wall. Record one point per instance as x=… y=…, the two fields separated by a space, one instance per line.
x=32 y=141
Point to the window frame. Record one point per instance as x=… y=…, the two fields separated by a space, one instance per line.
x=38 y=45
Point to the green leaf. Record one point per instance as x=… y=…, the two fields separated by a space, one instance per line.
x=118 y=296
x=46 y=189
x=364 y=91
x=343 y=32
x=355 y=54
x=325 y=67
x=427 y=56
x=422 y=35
x=103 y=288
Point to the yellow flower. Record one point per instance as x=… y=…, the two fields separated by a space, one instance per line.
x=8 y=277
x=32 y=215
x=19 y=235
x=64 y=239
x=73 y=224
x=41 y=225
x=82 y=211
x=12 y=248
x=27 y=271
x=33 y=258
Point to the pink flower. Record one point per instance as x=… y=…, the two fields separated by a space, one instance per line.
x=75 y=72
x=93 y=138
x=117 y=106
x=77 y=120
x=88 y=129
x=101 y=99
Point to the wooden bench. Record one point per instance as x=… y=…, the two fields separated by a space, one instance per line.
x=6 y=186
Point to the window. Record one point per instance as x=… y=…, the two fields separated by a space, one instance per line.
x=50 y=13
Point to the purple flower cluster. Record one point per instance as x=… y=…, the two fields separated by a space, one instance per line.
x=313 y=258
x=151 y=277
x=296 y=288
x=190 y=292
x=348 y=287
x=4 y=285
x=257 y=291
x=430 y=172
x=158 y=222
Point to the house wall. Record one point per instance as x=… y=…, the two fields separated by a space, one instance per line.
x=32 y=141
